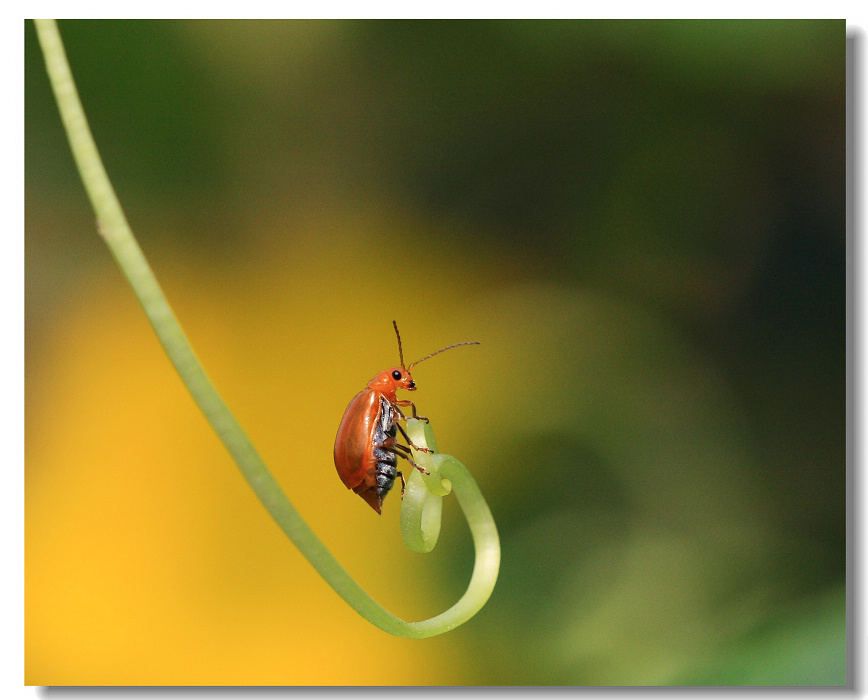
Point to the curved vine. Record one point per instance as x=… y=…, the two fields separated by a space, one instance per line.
x=421 y=510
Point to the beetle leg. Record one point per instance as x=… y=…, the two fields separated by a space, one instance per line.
x=404 y=452
x=405 y=403
x=407 y=438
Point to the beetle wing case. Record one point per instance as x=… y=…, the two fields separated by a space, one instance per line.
x=353 y=444
x=364 y=454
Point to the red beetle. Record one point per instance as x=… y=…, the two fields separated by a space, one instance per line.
x=366 y=447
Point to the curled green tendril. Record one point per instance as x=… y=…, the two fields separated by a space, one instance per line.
x=423 y=505
x=423 y=511
x=422 y=508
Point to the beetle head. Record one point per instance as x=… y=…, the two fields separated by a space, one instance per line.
x=390 y=380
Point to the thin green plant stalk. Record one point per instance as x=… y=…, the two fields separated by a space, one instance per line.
x=116 y=232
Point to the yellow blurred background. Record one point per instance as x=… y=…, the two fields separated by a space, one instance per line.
x=642 y=222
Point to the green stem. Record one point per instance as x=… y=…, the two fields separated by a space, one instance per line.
x=113 y=227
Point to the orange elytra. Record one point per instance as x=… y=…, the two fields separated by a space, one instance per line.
x=366 y=446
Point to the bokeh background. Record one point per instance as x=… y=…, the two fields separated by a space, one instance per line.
x=644 y=224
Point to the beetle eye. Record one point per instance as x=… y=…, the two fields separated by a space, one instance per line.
x=396 y=375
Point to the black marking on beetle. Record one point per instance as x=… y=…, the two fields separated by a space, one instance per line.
x=387 y=460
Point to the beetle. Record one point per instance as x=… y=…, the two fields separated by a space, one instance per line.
x=366 y=446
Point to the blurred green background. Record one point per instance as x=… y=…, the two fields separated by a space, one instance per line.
x=644 y=224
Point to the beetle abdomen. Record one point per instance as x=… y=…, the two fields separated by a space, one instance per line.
x=386 y=460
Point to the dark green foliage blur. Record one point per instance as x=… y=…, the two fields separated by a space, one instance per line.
x=653 y=214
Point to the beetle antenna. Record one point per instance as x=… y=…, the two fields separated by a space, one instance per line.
x=448 y=347
x=400 y=349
